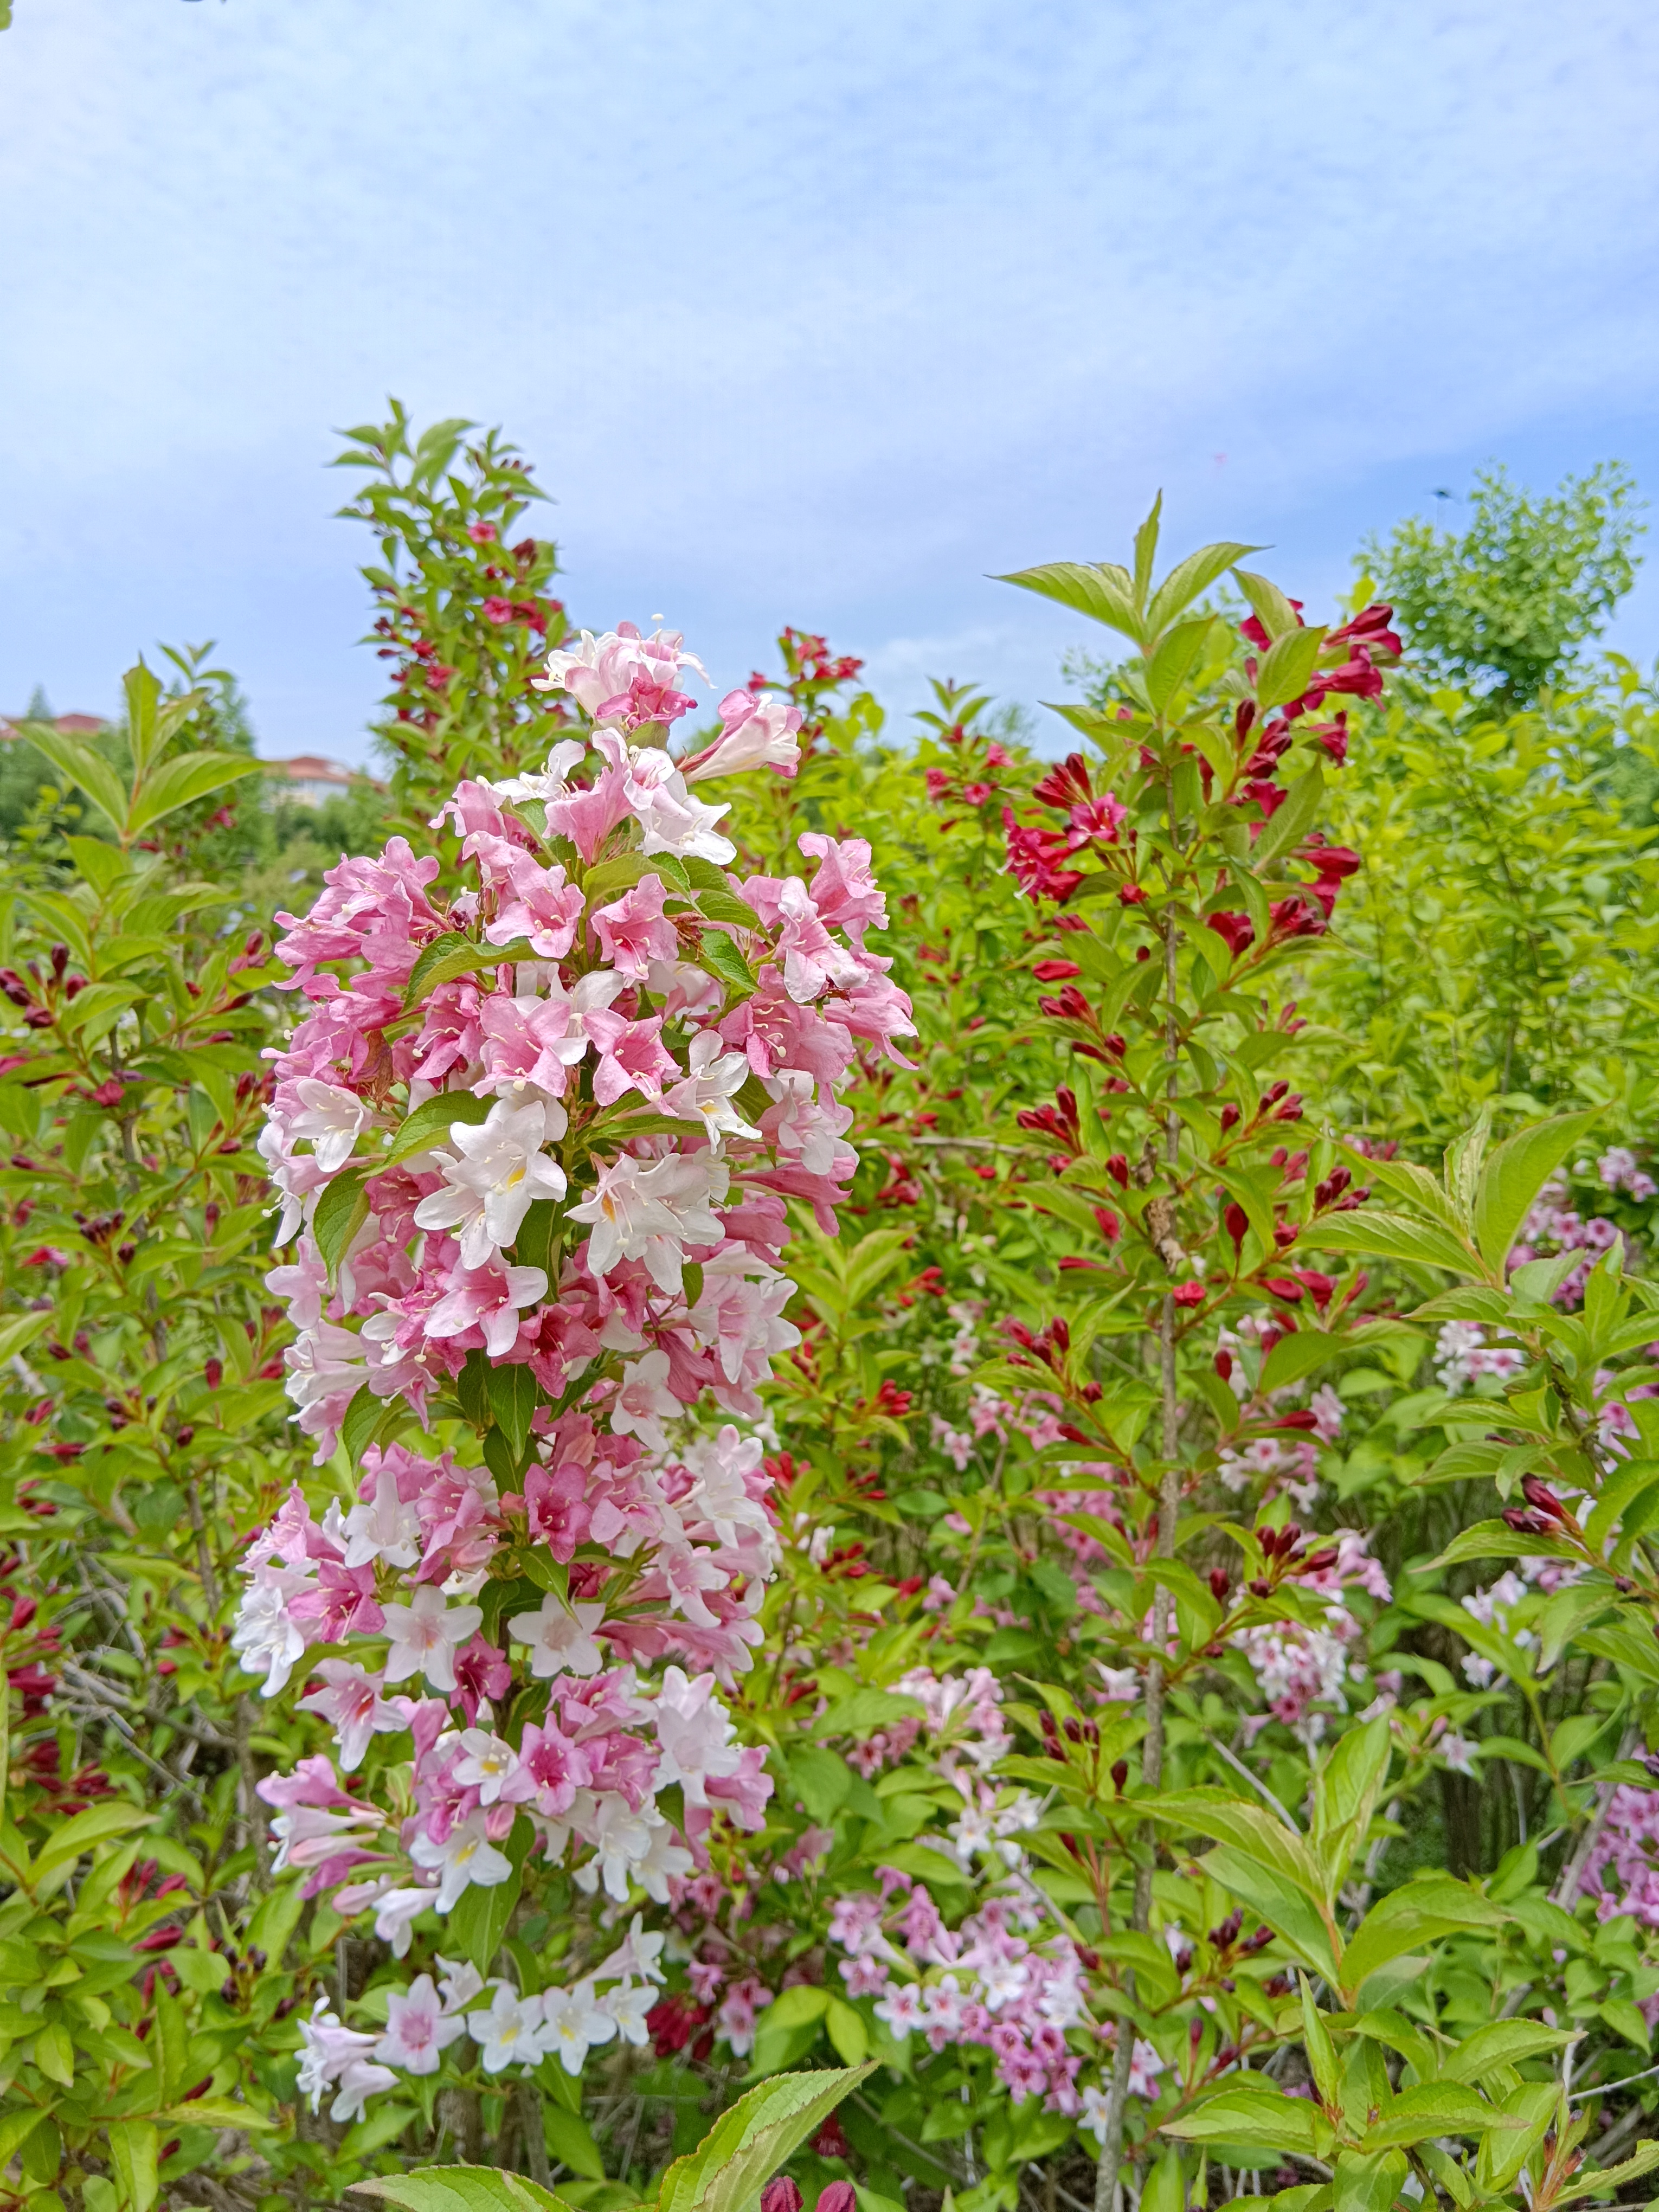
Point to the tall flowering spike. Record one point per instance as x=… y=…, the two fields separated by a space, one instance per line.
x=531 y=1138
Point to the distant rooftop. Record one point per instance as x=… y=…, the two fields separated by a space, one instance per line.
x=310 y=778
x=71 y=725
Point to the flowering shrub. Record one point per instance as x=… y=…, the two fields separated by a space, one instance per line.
x=534 y=1138
x=1059 y=1560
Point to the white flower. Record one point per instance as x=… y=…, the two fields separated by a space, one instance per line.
x=386 y=1529
x=626 y=1845
x=510 y=2032
x=424 y=1634
x=708 y=1091
x=644 y=1401
x=575 y=2024
x=486 y=1765
x=332 y=1120
x=352 y=1704
x=395 y=1914
x=459 y=1982
x=549 y=784
x=466 y=1856
x=651 y=1210
x=697 y=1735
x=502 y=1170
x=560 y=1637
x=267 y=1638
x=417 y=2031
x=627 y=2006
x=673 y=822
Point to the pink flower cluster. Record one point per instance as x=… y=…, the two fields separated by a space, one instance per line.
x=1299 y=1666
x=1622 y=1873
x=1553 y=1226
x=573 y=1260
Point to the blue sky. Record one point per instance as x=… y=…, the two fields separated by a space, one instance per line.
x=805 y=314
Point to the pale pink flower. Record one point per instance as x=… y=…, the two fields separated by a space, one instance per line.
x=424 y=1634
x=417 y=2030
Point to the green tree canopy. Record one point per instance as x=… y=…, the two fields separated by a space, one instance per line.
x=1503 y=606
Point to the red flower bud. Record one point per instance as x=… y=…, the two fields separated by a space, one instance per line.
x=781 y=2194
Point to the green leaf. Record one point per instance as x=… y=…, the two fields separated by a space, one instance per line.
x=722 y=958
x=1298 y=1354
x=1514 y=1174
x=1612 y=2179
x=454 y=955
x=133 y=2146
x=847 y=2032
x=84 y=770
x=17 y=1330
x=1187 y=578
x=429 y=1125
x=1103 y=593
x=1285 y=1905
x=1417 y=1913
x=1368 y=2181
x=96 y=1825
x=752 y=2139
x=1321 y=2051
x=341 y=1210
x=176 y=783
x=1275 y=611
x=726 y=906
x=1496 y=1540
x=479 y=1920
x=1431 y=2108
x=513 y=1395
x=461 y=2189
x=1387 y=1235
x=603 y=882
x=1293 y=820
x=54 y=2054
x=1166 y=2185
x=360 y=1421
x=798 y=2005
x=571 y=2141
x=1261 y=2116
x=1286 y=668
x=1174 y=656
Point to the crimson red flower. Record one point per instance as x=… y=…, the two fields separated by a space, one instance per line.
x=1056 y=971
x=1237 y=930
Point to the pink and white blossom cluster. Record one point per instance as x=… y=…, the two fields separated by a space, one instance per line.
x=572 y=1265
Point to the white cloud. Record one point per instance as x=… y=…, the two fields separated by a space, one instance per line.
x=816 y=315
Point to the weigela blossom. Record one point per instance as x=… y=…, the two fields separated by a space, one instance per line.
x=567 y=1269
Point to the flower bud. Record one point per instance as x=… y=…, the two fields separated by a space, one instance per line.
x=781 y=2194
x=839 y=2196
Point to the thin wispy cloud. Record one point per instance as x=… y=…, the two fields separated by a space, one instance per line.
x=819 y=316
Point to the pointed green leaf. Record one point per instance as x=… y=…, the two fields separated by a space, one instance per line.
x=1293 y=820
x=1175 y=655
x=1267 y=603
x=1146 y=552
x=1514 y=1174
x=1372 y=1230
x=1104 y=594
x=134 y=2147
x=82 y=769
x=176 y=783
x=428 y=1127
x=1256 y=2113
x=1368 y=2180
x=1287 y=666
x=341 y=1210
x=513 y=1395
x=454 y=955
x=461 y=2189
x=752 y=2139
x=1187 y=578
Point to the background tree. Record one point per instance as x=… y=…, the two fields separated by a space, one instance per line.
x=1503 y=607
